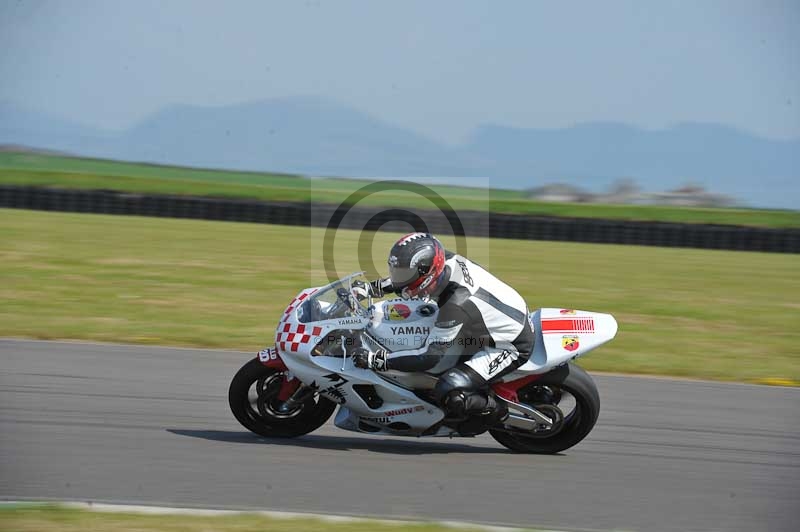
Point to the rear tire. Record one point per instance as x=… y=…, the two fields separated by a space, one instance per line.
x=243 y=400
x=577 y=424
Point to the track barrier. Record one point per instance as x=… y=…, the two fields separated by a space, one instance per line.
x=511 y=226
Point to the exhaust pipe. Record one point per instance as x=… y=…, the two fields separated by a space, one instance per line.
x=521 y=422
x=526 y=418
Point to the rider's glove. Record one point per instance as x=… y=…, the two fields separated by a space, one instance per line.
x=380 y=287
x=364 y=359
x=361 y=290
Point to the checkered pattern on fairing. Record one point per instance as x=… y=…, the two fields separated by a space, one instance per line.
x=289 y=336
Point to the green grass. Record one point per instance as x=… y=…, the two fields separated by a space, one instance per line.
x=77 y=173
x=694 y=313
x=52 y=518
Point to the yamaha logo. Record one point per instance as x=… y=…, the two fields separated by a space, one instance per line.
x=411 y=330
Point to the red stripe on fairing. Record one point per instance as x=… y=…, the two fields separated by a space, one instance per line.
x=561 y=325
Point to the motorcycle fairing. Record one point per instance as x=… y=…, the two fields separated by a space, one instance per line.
x=399 y=405
x=563 y=335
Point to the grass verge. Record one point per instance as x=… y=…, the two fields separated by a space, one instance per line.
x=690 y=313
x=80 y=173
x=55 y=518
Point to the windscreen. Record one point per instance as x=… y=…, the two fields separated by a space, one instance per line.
x=337 y=300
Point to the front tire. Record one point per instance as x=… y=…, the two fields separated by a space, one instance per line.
x=253 y=400
x=570 y=380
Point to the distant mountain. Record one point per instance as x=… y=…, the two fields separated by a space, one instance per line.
x=290 y=135
x=316 y=137
x=27 y=127
x=752 y=169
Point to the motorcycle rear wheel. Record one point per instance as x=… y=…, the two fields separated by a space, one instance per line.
x=252 y=397
x=576 y=425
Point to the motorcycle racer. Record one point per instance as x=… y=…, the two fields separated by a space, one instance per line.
x=482 y=331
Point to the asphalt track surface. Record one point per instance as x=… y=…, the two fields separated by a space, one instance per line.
x=148 y=425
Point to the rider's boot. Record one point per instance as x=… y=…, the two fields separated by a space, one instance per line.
x=477 y=411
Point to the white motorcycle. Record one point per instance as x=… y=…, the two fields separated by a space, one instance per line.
x=293 y=388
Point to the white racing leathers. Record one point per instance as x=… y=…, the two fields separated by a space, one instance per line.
x=482 y=322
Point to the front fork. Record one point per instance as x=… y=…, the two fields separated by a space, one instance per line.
x=289 y=386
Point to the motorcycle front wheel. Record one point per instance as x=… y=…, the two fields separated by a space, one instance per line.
x=567 y=391
x=253 y=398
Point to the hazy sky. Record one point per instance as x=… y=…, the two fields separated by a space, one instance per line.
x=439 y=68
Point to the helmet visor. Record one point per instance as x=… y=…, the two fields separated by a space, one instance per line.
x=402 y=277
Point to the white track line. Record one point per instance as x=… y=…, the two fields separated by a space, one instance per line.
x=203 y=512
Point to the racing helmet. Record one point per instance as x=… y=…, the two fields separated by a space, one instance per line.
x=416 y=265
